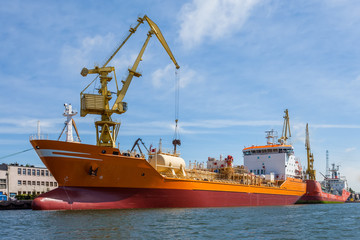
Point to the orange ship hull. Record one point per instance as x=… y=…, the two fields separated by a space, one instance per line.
x=94 y=177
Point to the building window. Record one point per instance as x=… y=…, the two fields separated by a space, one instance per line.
x=19 y=192
x=29 y=172
x=29 y=193
x=250 y=171
x=42 y=184
x=24 y=192
x=19 y=182
x=38 y=172
x=38 y=193
x=2 y=183
x=42 y=173
x=24 y=171
x=47 y=172
x=29 y=182
x=51 y=184
x=33 y=183
x=47 y=184
x=33 y=172
x=24 y=182
x=55 y=184
x=19 y=171
x=38 y=183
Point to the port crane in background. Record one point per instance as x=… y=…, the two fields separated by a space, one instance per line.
x=310 y=172
x=286 y=129
x=99 y=104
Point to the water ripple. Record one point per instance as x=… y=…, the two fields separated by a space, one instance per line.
x=326 y=221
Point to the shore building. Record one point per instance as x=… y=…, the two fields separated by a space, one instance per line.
x=19 y=179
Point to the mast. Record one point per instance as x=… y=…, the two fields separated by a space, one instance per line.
x=69 y=124
x=327 y=174
x=38 y=129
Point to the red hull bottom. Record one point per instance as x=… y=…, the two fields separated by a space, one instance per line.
x=81 y=198
x=314 y=194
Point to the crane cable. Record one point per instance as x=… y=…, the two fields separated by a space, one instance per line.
x=177 y=97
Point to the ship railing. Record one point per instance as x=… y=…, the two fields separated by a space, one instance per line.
x=39 y=137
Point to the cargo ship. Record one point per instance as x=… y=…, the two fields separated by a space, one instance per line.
x=103 y=177
x=96 y=177
x=333 y=189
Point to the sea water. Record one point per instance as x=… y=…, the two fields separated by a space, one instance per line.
x=320 y=221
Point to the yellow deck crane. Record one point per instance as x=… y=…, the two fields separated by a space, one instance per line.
x=286 y=129
x=310 y=172
x=106 y=128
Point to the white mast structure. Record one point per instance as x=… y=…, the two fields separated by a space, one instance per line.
x=69 y=123
x=38 y=129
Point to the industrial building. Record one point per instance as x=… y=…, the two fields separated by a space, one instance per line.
x=18 y=179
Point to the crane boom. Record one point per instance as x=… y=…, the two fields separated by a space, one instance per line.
x=132 y=73
x=161 y=38
x=132 y=31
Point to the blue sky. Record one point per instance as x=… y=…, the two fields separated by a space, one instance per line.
x=242 y=64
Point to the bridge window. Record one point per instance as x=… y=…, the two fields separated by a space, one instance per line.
x=247 y=153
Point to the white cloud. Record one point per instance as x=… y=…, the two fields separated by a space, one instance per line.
x=161 y=75
x=28 y=125
x=335 y=126
x=164 y=77
x=83 y=54
x=212 y=19
x=350 y=149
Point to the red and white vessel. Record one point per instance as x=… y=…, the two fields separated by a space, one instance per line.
x=333 y=189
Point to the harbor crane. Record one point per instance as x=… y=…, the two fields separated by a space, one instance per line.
x=99 y=104
x=286 y=129
x=310 y=172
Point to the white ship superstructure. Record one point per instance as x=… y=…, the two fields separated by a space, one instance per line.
x=273 y=159
x=335 y=183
